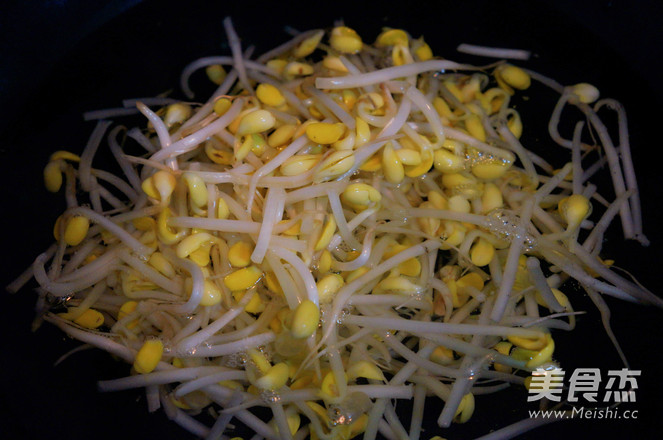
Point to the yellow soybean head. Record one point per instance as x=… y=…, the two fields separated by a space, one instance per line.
x=345 y=40
x=361 y=194
x=324 y=262
x=149 y=356
x=76 y=230
x=491 y=198
x=197 y=189
x=242 y=279
x=222 y=209
x=307 y=47
x=255 y=304
x=515 y=124
x=335 y=164
x=490 y=169
x=574 y=209
x=392 y=168
x=176 y=114
x=192 y=243
x=465 y=409
x=409 y=157
x=216 y=73
x=211 y=294
x=275 y=378
x=53 y=175
x=326 y=235
x=509 y=76
x=281 y=135
x=585 y=92
x=325 y=132
x=328 y=286
x=239 y=254
x=475 y=128
x=277 y=65
x=305 y=320
x=256 y=122
x=272 y=283
x=535 y=358
x=270 y=95
x=299 y=164
x=90 y=318
x=422 y=50
x=442 y=355
x=218 y=156
x=365 y=369
x=329 y=387
x=64 y=155
x=459 y=204
x=392 y=37
x=482 y=252
x=295 y=69
x=447 y=162
x=363 y=132
x=221 y=106
x=399 y=285
x=160 y=263
x=334 y=63
x=160 y=186
x=355 y=274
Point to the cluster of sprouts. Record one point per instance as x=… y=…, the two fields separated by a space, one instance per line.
x=341 y=225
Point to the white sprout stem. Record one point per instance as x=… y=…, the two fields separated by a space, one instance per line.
x=539 y=279
x=458 y=135
x=627 y=163
x=236 y=49
x=232 y=347
x=273 y=213
x=118 y=183
x=281 y=420
x=521 y=152
x=162 y=131
x=336 y=109
x=208 y=61
x=214 y=224
x=429 y=112
x=576 y=155
x=511 y=266
x=282 y=48
x=108 y=113
x=103 y=342
x=66 y=288
x=193 y=140
x=438 y=327
x=150 y=273
x=28 y=273
x=363 y=256
x=141 y=139
x=378 y=76
x=343 y=227
x=494 y=52
x=189 y=343
x=344 y=294
x=125 y=165
x=302 y=270
x=114 y=229
x=197 y=283
x=157 y=378
x=292 y=293
x=195 y=384
x=85 y=165
x=613 y=165
x=593 y=241
x=272 y=165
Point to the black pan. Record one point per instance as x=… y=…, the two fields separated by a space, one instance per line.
x=66 y=57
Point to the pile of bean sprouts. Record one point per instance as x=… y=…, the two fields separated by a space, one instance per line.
x=384 y=185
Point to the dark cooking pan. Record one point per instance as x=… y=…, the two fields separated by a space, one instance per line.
x=63 y=58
